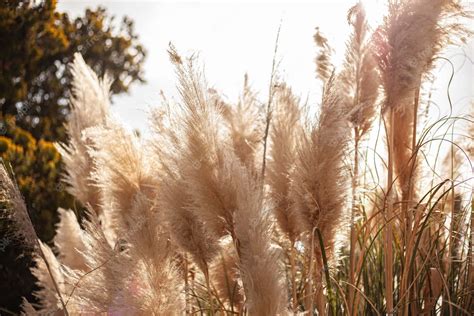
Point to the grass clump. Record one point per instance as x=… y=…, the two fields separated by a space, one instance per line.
x=263 y=209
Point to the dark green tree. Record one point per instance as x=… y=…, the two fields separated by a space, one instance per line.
x=36 y=45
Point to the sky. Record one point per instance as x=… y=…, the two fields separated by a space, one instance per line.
x=237 y=37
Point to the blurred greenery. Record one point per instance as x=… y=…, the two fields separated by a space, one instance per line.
x=36 y=44
x=37 y=168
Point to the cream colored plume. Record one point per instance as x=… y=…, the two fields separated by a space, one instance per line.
x=89 y=107
x=285 y=130
x=406 y=46
x=47 y=295
x=131 y=205
x=359 y=75
x=259 y=261
x=246 y=124
x=319 y=183
x=69 y=240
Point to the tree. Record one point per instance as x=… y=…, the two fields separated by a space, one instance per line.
x=37 y=43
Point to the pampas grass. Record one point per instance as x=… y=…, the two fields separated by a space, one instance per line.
x=89 y=108
x=14 y=209
x=69 y=240
x=245 y=123
x=406 y=44
x=285 y=131
x=191 y=220
x=361 y=86
x=318 y=183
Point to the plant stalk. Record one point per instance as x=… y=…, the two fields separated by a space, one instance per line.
x=388 y=253
x=353 y=235
x=293 y=278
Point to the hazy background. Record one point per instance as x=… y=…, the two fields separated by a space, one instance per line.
x=234 y=38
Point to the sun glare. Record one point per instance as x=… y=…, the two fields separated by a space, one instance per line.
x=375 y=10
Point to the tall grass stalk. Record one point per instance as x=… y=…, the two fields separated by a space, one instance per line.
x=388 y=236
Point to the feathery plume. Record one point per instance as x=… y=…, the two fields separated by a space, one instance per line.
x=246 y=124
x=226 y=196
x=13 y=208
x=131 y=205
x=258 y=259
x=137 y=274
x=69 y=240
x=406 y=45
x=178 y=153
x=47 y=294
x=226 y=277
x=27 y=308
x=187 y=230
x=318 y=188
x=202 y=157
x=360 y=83
x=324 y=66
x=108 y=269
x=284 y=134
x=359 y=76
x=120 y=159
x=89 y=107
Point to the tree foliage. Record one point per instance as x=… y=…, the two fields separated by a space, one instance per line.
x=37 y=167
x=37 y=43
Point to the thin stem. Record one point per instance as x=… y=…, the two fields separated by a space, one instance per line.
x=408 y=215
x=209 y=291
x=269 y=104
x=56 y=287
x=353 y=228
x=332 y=306
x=293 y=278
x=309 y=285
x=186 y=285
x=388 y=255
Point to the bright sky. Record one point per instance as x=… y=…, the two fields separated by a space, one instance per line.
x=234 y=38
